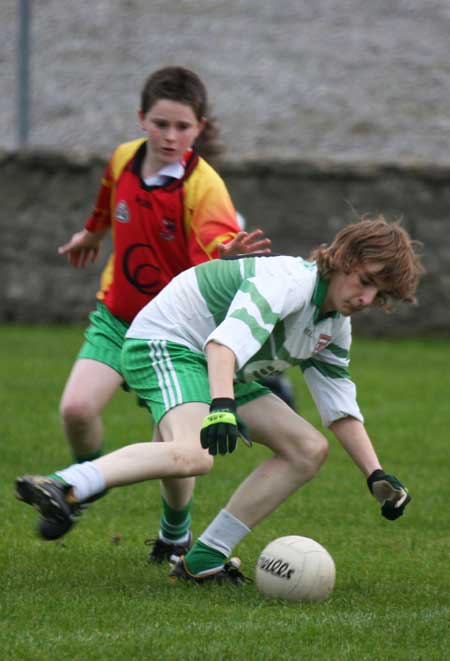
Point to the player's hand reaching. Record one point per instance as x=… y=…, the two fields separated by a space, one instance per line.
x=244 y=243
x=82 y=247
x=222 y=427
x=390 y=492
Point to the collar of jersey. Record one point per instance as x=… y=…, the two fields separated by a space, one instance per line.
x=173 y=171
x=318 y=297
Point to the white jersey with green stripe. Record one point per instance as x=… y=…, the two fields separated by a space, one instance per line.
x=267 y=311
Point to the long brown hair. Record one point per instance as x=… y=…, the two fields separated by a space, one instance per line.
x=375 y=241
x=184 y=86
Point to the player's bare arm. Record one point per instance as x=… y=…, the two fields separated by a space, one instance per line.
x=353 y=437
x=392 y=495
x=82 y=248
x=219 y=430
x=221 y=365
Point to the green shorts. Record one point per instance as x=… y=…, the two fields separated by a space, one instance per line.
x=104 y=338
x=164 y=375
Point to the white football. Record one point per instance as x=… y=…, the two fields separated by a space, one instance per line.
x=295 y=568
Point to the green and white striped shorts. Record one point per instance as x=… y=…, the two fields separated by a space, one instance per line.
x=104 y=338
x=164 y=374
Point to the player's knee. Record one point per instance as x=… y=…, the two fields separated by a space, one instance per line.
x=309 y=456
x=77 y=412
x=204 y=463
x=316 y=454
x=189 y=462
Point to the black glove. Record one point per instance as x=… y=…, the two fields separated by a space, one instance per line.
x=222 y=427
x=390 y=492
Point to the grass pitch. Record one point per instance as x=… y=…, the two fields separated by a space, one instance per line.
x=92 y=596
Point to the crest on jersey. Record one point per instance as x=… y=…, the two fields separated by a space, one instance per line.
x=168 y=229
x=322 y=342
x=122 y=212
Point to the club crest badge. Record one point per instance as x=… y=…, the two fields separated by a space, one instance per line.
x=323 y=341
x=122 y=213
x=168 y=229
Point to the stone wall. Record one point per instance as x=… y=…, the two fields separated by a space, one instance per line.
x=46 y=197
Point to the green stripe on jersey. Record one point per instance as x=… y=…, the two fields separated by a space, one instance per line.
x=260 y=334
x=338 y=351
x=268 y=316
x=249 y=267
x=327 y=369
x=219 y=280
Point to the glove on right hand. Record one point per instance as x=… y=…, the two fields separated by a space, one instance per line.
x=222 y=427
x=219 y=430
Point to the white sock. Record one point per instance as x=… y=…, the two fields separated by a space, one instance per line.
x=224 y=533
x=85 y=479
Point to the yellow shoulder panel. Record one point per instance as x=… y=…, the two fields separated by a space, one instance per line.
x=202 y=178
x=122 y=155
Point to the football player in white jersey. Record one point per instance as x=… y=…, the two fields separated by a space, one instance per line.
x=193 y=354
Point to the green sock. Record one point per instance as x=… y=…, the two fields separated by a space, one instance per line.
x=54 y=476
x=203 y=558
x=175 y=524
x=90 y=456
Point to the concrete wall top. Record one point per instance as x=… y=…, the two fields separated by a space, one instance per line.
x=47 y=195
